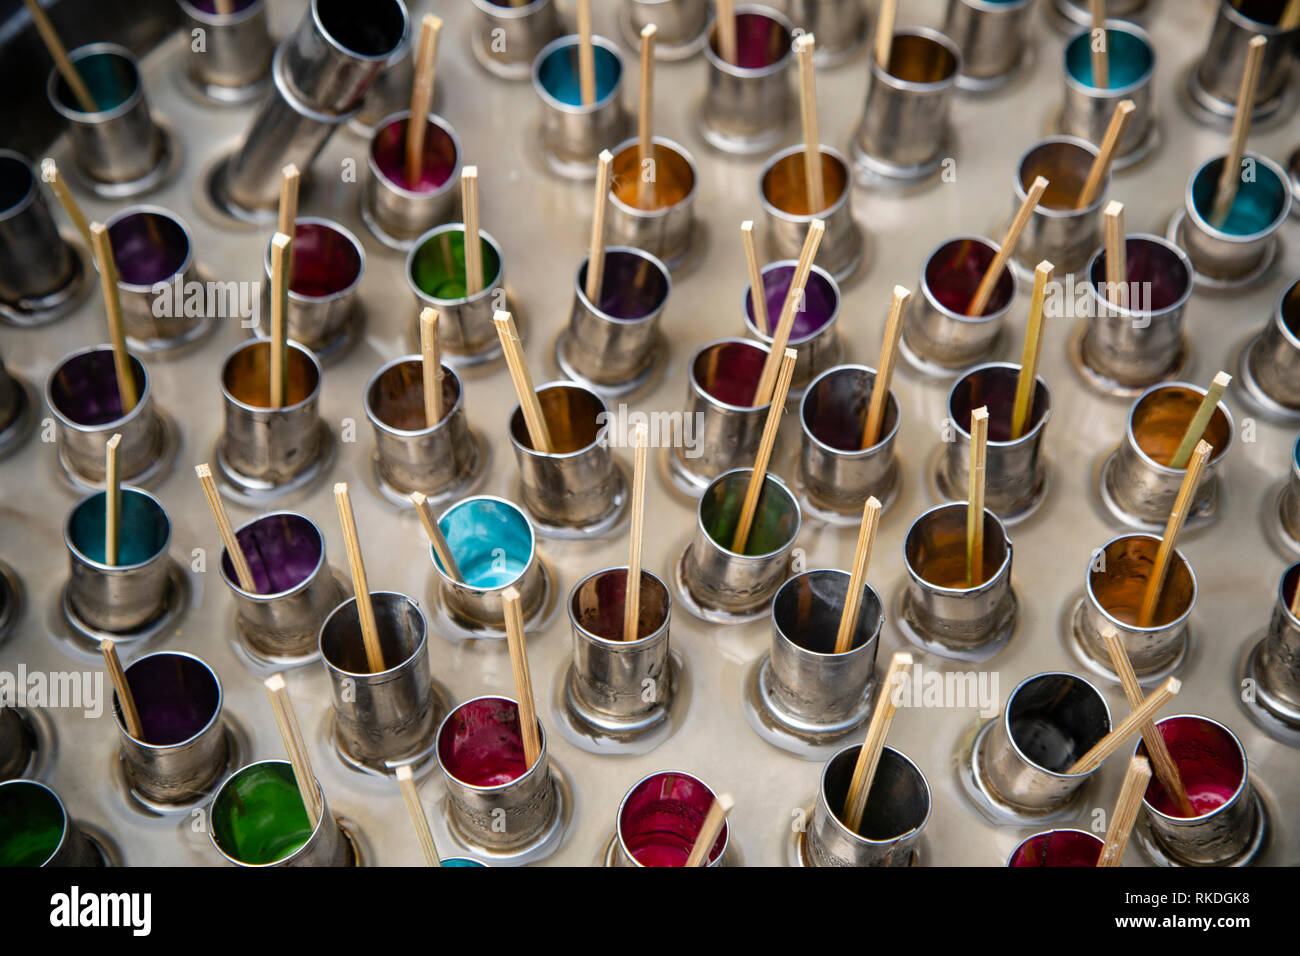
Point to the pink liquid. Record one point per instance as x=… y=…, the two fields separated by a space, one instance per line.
x=482 y=745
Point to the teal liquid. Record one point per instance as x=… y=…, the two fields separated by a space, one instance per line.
x=1256 y=207
x=1130 y=59
x=111 y=80
x=31 y=824
x=143 y=528
x=775 y=518
x=490 y=540
x=458 y=861
x=259 y=817
x=560 y=75
x=438 y=266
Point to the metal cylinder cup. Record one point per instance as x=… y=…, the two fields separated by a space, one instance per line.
x=40 y=272
x=788 y=212
x=153 y=252
x=328 y=262
x=397 y=209
x=938 y=335
x=435 y=273
x=992 y=37
x=1277 y=656
x=1088 y=108
x=666 y=228
x=896 y=812
x=748 y=104
x=682 y=24
x=1058 y=230
x=1215 y=83
x=573 y=132
x=508 y=36
x=1245 y=243
x=235 y=62
x=1271 y=369
x=814 y=334
x=1058 y=848
x=36 y=829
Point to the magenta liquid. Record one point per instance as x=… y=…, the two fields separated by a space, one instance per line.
x=661 y=818
x=481 y=743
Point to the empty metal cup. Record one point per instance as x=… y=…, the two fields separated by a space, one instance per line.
x=435 y=272
x=1134 y=345
x=749 y=104
x=258 y=819
x=838 y=475
x=786 y=209
x=1088 y=108
x=667 y=227
x=153 y=252
x=41 y=273
x=938 y=336
x=1270 y=364
x=36 y=829
x=814 y=334
x=440 y=460
x=381 y=718
x=1245 y=246
x=296 y=587
x=572 y=132
x=992 y=37
x=507 y=37
x=1016 y=477
x=839 y=25
x=659 y=821
x=897 y=809
x=903 y=135
x=1215 y=82
x=397 y=210
x=1137 y=483
x=121 y=598
x=682 y=24
x=183 y=747
x=939 y=610
x=1058 y=231
x=327 y=265
x=1275 y=661
x=234 y=63
x=613 y=348
x=1058 y=848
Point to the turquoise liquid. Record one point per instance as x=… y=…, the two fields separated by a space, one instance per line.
x=143 y=528
x=560 y=77
x=1130 y=58
x=490 y=540
x=1258 y=203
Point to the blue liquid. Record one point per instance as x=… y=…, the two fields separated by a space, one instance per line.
x=460 y=861
x=1258 y=203
x=110 y=78
x=560 y=77
x=490 y=540
x=143 y=528
x=1130 y=58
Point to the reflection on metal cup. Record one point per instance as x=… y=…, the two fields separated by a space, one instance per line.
x=395 y=209
x=814 y=334
x=682 y=25
x=1057 y=231
x=839 y=25
x=1272 y=361
x=328 y=263
x=235 y=62
x=786 y=209
x=507 y=37
x=40 y=272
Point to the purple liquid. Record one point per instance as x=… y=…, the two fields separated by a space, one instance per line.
x=148 y=248
x=208 y=6
x=996 y=388
x=84 y=389
x=760 y=41
x=661 y=818
x=1149 y=263
x=325 y=262
x=282 y=551
x=1058 y=848
x=819 y=302
x=954 y=273
x=176 y=697
x=836 y=411
x=730 y=372
x=1209 y=763
x=481 y=743
x=632 y=287
x=437 y=160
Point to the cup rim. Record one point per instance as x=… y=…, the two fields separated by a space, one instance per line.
x=1151 y=628
x=1243 y=22
x=557 y=455
x=779 y=484
x=883 y=441
x=779 y=634
x=496 y=788
x=674 y=146
x=606 y=642
x=857 y=837
x=333 y=41
x=333 y=226
x=216 y=712
x=1279 y=315
x=1236 y=794
x=100 y=566
x=1005 y=720
x=618 y=816
x=581 y=292
x=301 y=585
x=750 y=72
x=26 y=201
x=151 y=209
x=416 y=194
x=1218 y=235
x=532 y=538
x=1041 y=210
x=1042 y=833
x=116 y=424
x=491 y=9
x=76 y=116
x=567 y=40
x=374 y=676
x=1111 y=310
x=1112 y=92
x=415 y=359
x=947 y=313
x=19 y=782
x=223 y=20
x=311 y=397
x=881 y=75
x=1216 y=455
x=443 y=304
x=325 y=814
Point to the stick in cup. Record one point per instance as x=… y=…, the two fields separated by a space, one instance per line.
x=858 y=575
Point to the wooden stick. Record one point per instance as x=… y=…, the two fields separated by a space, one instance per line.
x=1119 y=121
x=290 y=180
x=1116 y=255
x=59 y=55
x=538 y=432
x=417 y=124
x=586 y=54
x=1230 y=176
x=233 y=548
x=125 y=700
x=804 y=48
x=757 y=291
x=885 y=369
x=1294 y=606
x=430 y=367
x=1103 y=748
x=113 y=309
x=792 y=306
x=473 y=246
x=885 y=32
x=1027 y=380
x=436 y=538
x=279 y=377
x=50 y=173
x=112 y=500
x=645 y=185
x=979 y=436
x=632 y=602
x=727 y=43
x=758 y=475
x=858 y=575
x=414 y=810
x=1125 y=813
x=1290 y=18
x=294 y=746
x=365 y=609
x=1100 y=55
x=523 y=679
x=709 y=830
x=596 y=254
x=224 y=8
x=1182 y=505
x=1201 y=420
x=882 y=718
x=1163 y=761
x=979 y=302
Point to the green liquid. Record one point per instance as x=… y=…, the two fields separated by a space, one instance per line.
x=774 y=520
x=260 y=817
x=31 y=824
x=438 y=267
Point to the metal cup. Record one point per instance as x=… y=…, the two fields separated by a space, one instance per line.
x=1271 y=363
x=389 y=92
x=839 y=25
x=1115 y=584
x=1288 y=505
x=41 y=274
x=17 y=416
x=659 y=821
x=327 y=265
x=1228 y=826
x=235 y=62
x=613 y=348
x=1089 y=108
x=576 y=489
x=748 y=105
x=126 y=596
x=1276 y=658
x=616 y=684
x=1137 y=483
x=118 y=149
x=435 y=272
x=938 y=335
x=296 y=587
x=494 y=800
x=1050 y=721
x=992 y=37
x=722 y=584
x=1215 y=82
x=1058 y=848
x=396 y=210
x=440 y=460
x=903 y=135
x=257 y=819
x=1016 y=479
x=683 y=25
x=507 y=37
x=36 y=829
x=837 y=473
x=665 y=230
x=18 y=743
x=183 y=747
x=1243 y=249
x=381 y=718
x=1135 y=345
x=265 y=452
x=939 y=610
x=574 y=133
x=153 y=252
x=1057 y=231
x=814 y=334
x=726 y=427
x=1076 y=13
x=896 y=812
x=788 y=214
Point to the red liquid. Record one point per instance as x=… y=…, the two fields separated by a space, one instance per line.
x=661 y=818
x=325 y=262
x=482 y=745
x=1209 y=763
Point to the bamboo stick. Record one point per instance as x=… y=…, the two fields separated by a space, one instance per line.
x=1116 y=255
x=50 y=173
x=1200 y=420
x=103 y=249
x=979 y=434
x=882 y=718
x=436 y=538
x=295 y=747
x=1125 y=813
x=538 y=432
x=290 y=180
x=645 y=185
x=1169 y=541
x=125 y=699
x=1230 y=176
x=1027 y=380
x=586 y=54
x=279 y=376
x=757 y=291
x=792 y=306
x=709 y=830
x=243 y=572
x=415 y=810
x=430 y=367
x=858 y=575
x=805 y=48
x=727 y=43
x=632 y=601
x=360 y=585
x=112 y=500
x=884 y=42
x=758 y=475
x=1100 y=55
x=417 y=124
x=1100 y=169
x=1103 y=748
x=522 y=677
x=62 y=62
x=596 y=254
x=885 y=368
x=473 y=245
x=979 y=302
